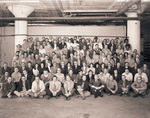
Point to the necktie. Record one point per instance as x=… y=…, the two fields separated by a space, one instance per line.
x=38 y=87
x=54 y=87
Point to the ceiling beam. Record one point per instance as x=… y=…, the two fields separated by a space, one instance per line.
x=68 y=18
x=126 y=6
x=59 y=13
x=60 y=5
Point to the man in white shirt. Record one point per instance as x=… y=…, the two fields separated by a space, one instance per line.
x=128 y=75
x=54 y=89
x=105 y=76
x=37 y=89
x=141 y=74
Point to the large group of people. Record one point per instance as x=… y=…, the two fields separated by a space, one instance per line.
x=74 y=66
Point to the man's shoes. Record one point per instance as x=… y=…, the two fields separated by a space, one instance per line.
x=77 y=96
x=68 y=98
x=56 y=97
x=95 y=95
x=100 y=95
x=48 y=97
x=27 y=96
x=109 y=94
x=83 y=97
x=142 y=96
x=128 y=94
x=41 y=97
x=121 y=94
x=136 y=95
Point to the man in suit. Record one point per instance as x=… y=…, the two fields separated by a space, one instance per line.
x=54 y=89
x=5 y=68
x=28 y=77
x=8 y=88
x=83 y=87
x=76 y=68
x=23 y=87
x=96 y=87
x=37 y=89
x=124 y=86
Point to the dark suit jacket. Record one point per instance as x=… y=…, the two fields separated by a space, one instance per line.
x=89 y=79
x=86 y=84
x=27 y=84
x=76 y=70
x=8 y=69
x=61 y=46
x=8 y=87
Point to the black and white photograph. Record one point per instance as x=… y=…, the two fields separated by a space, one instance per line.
x=74 y=58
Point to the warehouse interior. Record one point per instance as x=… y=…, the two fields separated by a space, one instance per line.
x=69 y=18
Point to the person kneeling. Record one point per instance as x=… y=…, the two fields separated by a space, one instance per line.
x=54 y=89
x=139 y=87
x=68 y=89
x=37 y=89
x=83 y=87
x=23 y=87
x=111 y=86
x=96 y=87
x=8 y=88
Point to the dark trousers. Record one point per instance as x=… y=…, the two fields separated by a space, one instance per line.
x=49 y=93
x=96 y=92
x=4 y=93
x=109 y=92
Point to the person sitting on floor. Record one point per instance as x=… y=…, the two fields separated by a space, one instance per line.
x=68 y=88
x=23 y=87
x=96 y=87
x=139 y=87
x=54 y=89
x=111 y=86
x=8 y=88
x=3 y=79
x=37 y=89
x=16 y=76
x=125 y=86
x=83 y=87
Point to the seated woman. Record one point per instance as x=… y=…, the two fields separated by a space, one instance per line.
x=83 y=87
x=8 y=88
x=125 y=86
x=96 y=87
x=54 y=89
x=23 y=87
x=37 y=89
x=139 y=87
x=68 y=88
x=111 y=86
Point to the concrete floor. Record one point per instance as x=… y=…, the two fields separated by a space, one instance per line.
x=106 y=107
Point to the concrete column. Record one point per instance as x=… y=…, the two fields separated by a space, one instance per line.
x=133 y=31
x=20 y=11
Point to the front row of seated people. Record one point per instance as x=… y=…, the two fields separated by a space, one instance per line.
x=83 y=86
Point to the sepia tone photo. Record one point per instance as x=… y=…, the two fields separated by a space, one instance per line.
x=74 y=58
